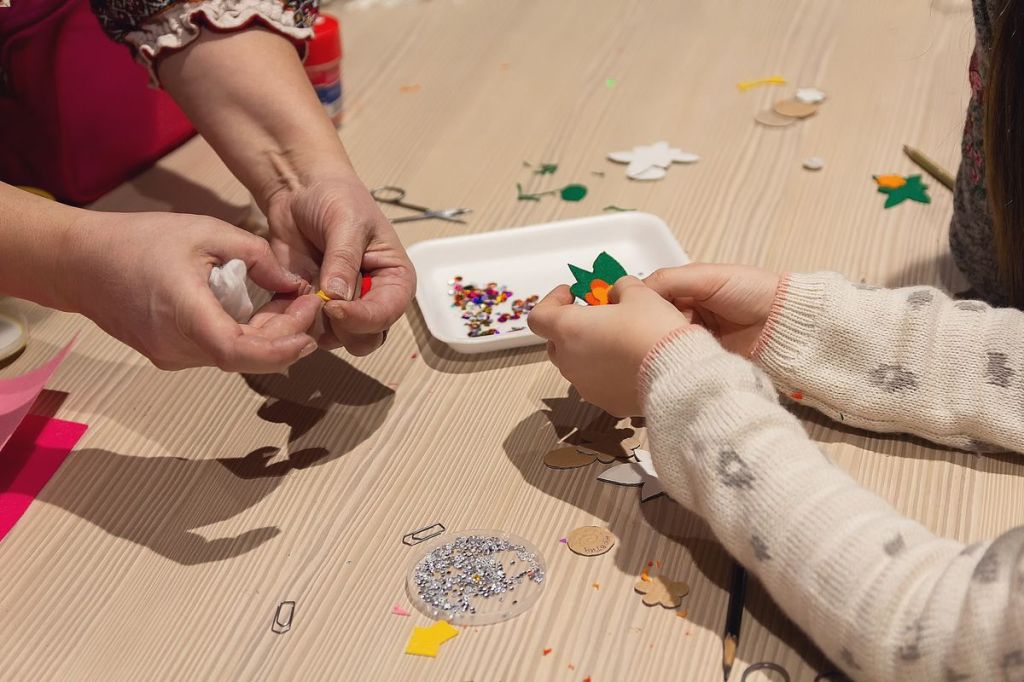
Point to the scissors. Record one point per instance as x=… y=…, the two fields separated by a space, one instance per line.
x=396 y=196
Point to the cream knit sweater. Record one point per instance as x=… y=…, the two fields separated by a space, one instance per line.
x=884 y=597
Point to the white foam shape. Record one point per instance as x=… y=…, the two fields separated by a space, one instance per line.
x=650 y=162
x=810 y=95
x=814 y=163
x=228 y=284
x=641 y=472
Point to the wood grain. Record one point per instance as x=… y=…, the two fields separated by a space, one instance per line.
x=197 y=501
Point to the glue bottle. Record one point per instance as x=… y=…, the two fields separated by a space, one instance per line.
x=323 y=64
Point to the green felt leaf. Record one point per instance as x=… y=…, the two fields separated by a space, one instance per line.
x=613 y=207
x=607 y=268
x=546 y=169
x=573 y=192
x=914 y=190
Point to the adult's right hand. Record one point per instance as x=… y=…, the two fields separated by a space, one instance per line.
x=143 y=278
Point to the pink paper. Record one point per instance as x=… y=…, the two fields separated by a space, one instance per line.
x=18 y=394
x=31 y=457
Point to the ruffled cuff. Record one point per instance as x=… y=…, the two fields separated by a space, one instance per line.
x=178 y=25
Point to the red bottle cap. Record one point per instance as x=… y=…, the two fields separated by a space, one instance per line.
x=325 y=46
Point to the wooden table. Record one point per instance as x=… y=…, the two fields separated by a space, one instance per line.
x=198 y=500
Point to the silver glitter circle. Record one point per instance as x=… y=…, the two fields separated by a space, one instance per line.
x=476 y=577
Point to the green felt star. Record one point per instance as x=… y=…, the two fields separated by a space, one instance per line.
x=913 y=189
x=606 y=269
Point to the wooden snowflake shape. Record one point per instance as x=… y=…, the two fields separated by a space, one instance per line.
x=658 y=590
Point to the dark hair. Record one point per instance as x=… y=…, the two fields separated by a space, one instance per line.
x=1004 y=147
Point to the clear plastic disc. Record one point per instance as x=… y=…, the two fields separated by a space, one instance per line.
x=476 y=577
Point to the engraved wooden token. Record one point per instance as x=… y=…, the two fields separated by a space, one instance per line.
x=770 y=118
x=590 y=540
x=794 y=108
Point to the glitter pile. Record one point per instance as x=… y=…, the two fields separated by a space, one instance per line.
x=478 y=303
x=455 y=574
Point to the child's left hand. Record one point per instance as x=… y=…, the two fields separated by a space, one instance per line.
x=600 y=348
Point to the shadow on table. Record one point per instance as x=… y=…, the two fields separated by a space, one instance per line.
x=160 y=502
x=532 y=437
x=937 y=271
x=165 y=190
x=440 y=357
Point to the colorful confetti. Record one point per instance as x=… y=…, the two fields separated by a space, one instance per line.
x=399 y=611
x=478 y=306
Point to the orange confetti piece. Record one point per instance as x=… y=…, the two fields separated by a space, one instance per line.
x=645 y=576
x=572 y=667
x=596 y=586
x=547 y=651
x=682 y=614
x=586 y=679
x=797 y=395
x=890 y=181
x=409 y=89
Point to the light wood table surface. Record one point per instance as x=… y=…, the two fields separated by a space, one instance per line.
x=197 y=501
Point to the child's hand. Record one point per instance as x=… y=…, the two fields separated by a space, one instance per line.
x=600 y=348
x=731 y=301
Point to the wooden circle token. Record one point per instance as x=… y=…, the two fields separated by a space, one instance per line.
x=590 y=540
x=770 y=118
x=794 y=108
x=568 y=458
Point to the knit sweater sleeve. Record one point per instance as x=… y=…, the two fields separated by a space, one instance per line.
x=899 y=360
x=879 y=593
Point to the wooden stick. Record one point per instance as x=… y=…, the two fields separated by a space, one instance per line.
x=933 y=169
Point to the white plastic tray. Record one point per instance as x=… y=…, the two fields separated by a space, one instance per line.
x=531 y=260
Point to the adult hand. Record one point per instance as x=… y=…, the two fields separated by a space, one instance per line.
x=329 y=230
x=732 y=301
x=600 y=349
x=143 y=278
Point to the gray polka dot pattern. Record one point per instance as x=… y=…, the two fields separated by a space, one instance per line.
x=733 y=471
x=919 y=299
x=895 y=546
x=970 y=306
x=846 y=656
x=1013 y=666
x=760 y=548
x=998 y=373
x=987 y=570
x=893 y=378
x=910 y=650
x=951 y=675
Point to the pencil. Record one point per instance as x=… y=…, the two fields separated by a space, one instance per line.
x=731 y=639
x=933 y=169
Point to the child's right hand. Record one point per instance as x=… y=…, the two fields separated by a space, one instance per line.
x=731 y=301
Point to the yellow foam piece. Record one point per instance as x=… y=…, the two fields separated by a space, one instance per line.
x=323 y=296
x=770 y=80
x=428 y=641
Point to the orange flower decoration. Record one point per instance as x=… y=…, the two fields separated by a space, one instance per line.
x=598 y=292
x=890 y=181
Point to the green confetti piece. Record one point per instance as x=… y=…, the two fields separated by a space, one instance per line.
x=546 y=169
x=913 y=190
x=609 y=83
x=613 y=207
x=573 y=192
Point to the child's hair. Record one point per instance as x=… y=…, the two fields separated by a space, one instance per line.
x=1004 y=147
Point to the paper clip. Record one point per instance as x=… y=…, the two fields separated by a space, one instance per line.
x=283 y=617
x=422 y=534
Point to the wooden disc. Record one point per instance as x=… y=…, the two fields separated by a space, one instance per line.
x=770 y=118
x=590 y=540
x=794 y=108
x=567 y=458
